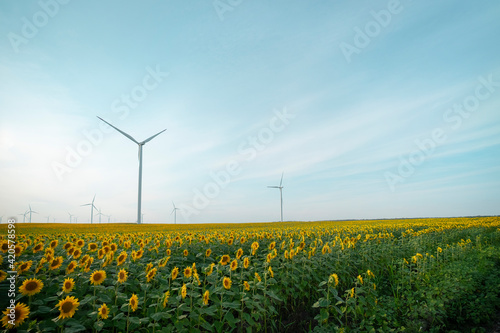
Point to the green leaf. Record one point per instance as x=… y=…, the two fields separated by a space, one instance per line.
x=43 y=309
x=98 y=325
x=248 y=319
x=134 y=320
x=119 y=316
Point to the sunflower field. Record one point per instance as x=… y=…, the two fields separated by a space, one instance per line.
x=431 y=275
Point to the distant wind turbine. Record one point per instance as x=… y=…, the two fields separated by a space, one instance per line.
x=70 y=216
x=31 y=211
x=47 y=218
x=100 y=214
x=91 y=204
x=24 y=216
x=1 y=217
x=108 y=216
x=174 y=211
x=140 y=144
x=281 y=194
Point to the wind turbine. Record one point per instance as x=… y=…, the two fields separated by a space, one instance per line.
x=174 y=211
x=100 y=214
x=47 y=218
x=70 y=216
x=1 y=217
x=140 y=144
x=91 y=210
x=24 y=216
x=281 y=194
x=108 y=216
x=31 y=211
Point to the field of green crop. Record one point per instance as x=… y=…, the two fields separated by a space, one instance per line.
x=431 y=275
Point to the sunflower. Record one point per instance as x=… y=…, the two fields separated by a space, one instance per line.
x=67 y=246
x=80 y=243
x=138 y=254
x=103 y=311
x=239 y=253
x=246 y=262
x=31 y=287
x=54 y=243
x=208 y=252
x=255 y=247
x=68 y=307
x=88 y=263
x=100 y=254
x=225 y=260
x=56 y=263
x=185 y=252
x=71 y=267
x=24 y=266
x=175 y=272
x=77 y=253
x=18 y=250
x=68 y=285
x=242 y=240
x=122 y=276
x=4 y=247
x=272 y=246
x=3 y=275
x=92 y=247
x=271 y=271
x=151 y=274
x=234 y=264
x=148 y=267
x=38 y=247
x=113 y=247
x=226 y=282
x=206 y=296
x=70 y=251
x=165 y=298
x=168 y=252
x=133 y=302
x=163 y=262
x=188 y=272
x=21 y=312
x=246 y=285
x=333 y=279
x=370 y=273
x=360 y=278
x=230 y=241
x=184 y=291
x=97 y=277
x=257 y=276
x=211 y=269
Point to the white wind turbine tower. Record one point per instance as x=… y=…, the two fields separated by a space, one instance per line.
x=31 y=211
x=47 y=217
x=70 y=216
x=24 y=216
x=140 y=144
x=108 y=216
x=100 y=214
x=92 y=206
x=1 y=217
x=281 y=194
x=174 y=211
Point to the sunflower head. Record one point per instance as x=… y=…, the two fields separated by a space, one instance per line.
x=185 y=252
x=122 y=276
x=239 y=253
x=97 y=277
x=227 y=282
x=165 y=298
x=246 y=262
x=234 y=264
x=68 y=307
x=21 y=312
x=68 y=285
x=151 y=274
x=103 y=311
x=31 y=287
x=188 y=272
x=246 y=285
x=184 y=291
x=208 y=252
x=56 y=263
x=133 y=302
x=225 y=260
x=206 y=297
x=175 y=272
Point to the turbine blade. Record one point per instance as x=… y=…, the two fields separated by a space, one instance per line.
x=122 y=132
x=86 y=205
x=151 y=138
x=281 y=182
x=273 y=186
x=94 y=198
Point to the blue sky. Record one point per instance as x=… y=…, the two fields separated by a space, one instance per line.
x=372 y=109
